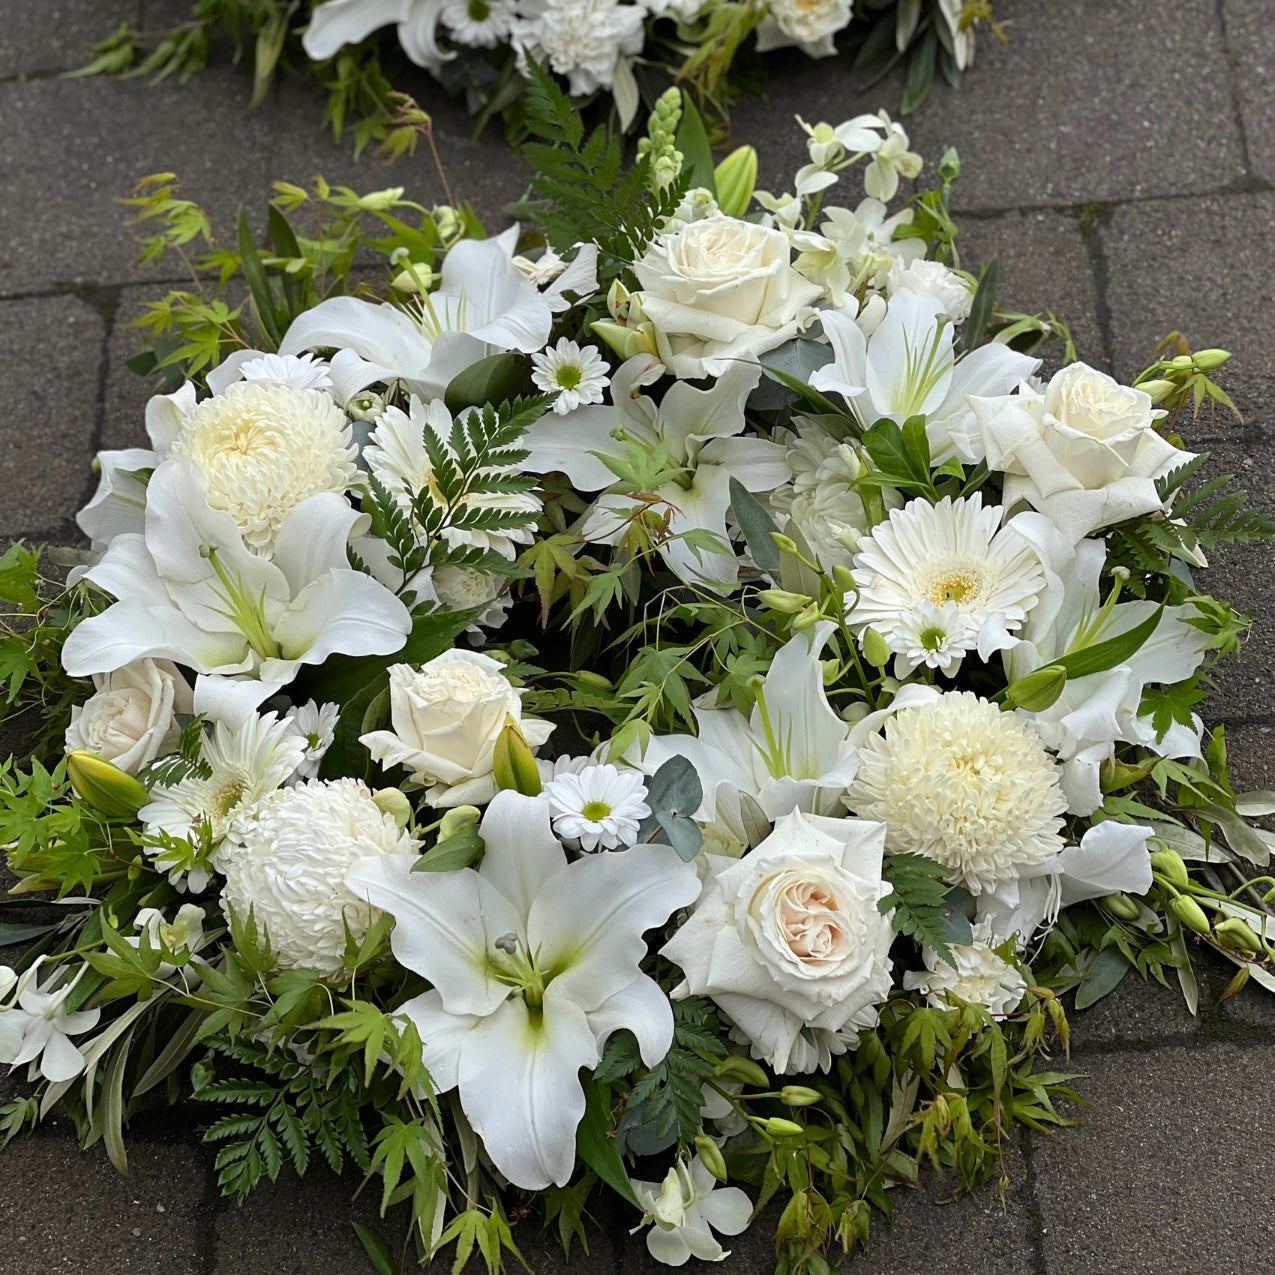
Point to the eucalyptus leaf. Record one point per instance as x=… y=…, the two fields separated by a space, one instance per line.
x=757 y=525
x=1253 y=805
x=683 y=835
x=1102 y=977
x=674 y=789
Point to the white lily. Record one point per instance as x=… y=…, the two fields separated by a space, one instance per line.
x=189 y=590
x=700 y=428
x=36 y=1028
x=534 y=963
x=340 y=22
x=483 y=304
x=908 y=367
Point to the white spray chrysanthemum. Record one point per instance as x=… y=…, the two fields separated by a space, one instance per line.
x=936 y=636
x=575 y=373
x=979 y=977
x=964 y=784
x=299 y=371
x=601 y=806
x=478 y=24
x=287 y=863
x=955 y=551
x=316 y=724
x=264 y=448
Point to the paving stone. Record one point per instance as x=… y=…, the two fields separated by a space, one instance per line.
x=1250 y=750
x=1093 y=101
x=1250 y=41
x=50 y=352
x=65 y=1210
x=1153 y=1179
x=56 y=35
x=126 y=394
x=1042 y=265
x=1201 y=266
x=1138 y=1011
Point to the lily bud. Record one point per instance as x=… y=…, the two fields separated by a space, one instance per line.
x=1038 y=690
x=626 y=341
x=1208 y=360
x=1121 y=906
x=104 y=786
x=875 y=648
x=389 y=801
x=1190 y=913
x=513 y=763
x=456 y=818
x=785 y=544
x=416 y=279
x=737 y=1067
x=1170 y=866
x=799 y=1096
x=783 y=601
x=381 y=200
x=735 y=177
x=1235 y=934
x=711 y=1158
x=778 y=1127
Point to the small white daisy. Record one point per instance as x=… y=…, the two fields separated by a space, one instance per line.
x=600 y=806
x=316 y=724
x=936 y=636
x=478 y=24
x=575 y=373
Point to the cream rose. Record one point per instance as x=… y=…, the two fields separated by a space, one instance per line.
x=131 y=718
x=721 y=289
x=446 y=717
x=808 y=24
x=788 y=940
x=1085 y=452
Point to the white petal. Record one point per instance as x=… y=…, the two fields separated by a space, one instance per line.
x=312 y=540
x=341 y=22
x=485 y=289
x=667 y=1246
x=727 y=1210
x=442 y=1035
x=1110 y=857
x=380 y=333
x=343 y=612
x=60 y=1060
x=522 y=852
x=644 y=1009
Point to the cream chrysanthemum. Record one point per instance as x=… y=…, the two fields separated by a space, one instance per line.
x=264 y=448
x=949 y=552
x=964 y=784
x=287 y=863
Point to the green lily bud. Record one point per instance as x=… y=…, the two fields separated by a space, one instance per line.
x=875 y=648
x=1038 y=690
x=456 y=818
x=416 y=279
x=389 y=801
x=1181 y=362
x=735 y=177
x=1114 y=775
x=381 y=200
x=799 y=1096
x=1234 y=934
x=626 y=341
x=1208 y=360
x=711 y=1158
x=1121 y=906
x=104 y=786
x=783 y=601
x=785 y=544
x=1170 y=865
x=513 y=762
x=1190 y=913
x=618 y=302
x=737 y=1067
x=778 y=1127
x=1158 y=389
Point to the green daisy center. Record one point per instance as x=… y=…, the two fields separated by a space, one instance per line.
x=595 y=811
x=568 y=376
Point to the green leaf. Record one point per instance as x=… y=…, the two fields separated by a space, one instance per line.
x=692 y=141
x=757 y=525
x=594 y=1146
x=258 y=285
x=918 y=902
x=499 y=378
x=1102 y=977
x=12 y=933
x=916 y=87
x=452 y=853
x=980 y=311
x=1101 y=656
x=377 y=1250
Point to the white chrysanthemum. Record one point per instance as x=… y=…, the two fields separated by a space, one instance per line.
x=478 y=24
x=463 y=588
x=933 y=279
x=936 y=636
x=579 y=39
x=242 y=764
x=949 y=552
x=316 y=724
x=575 y=373
x=298 y=371
x=265 y=448
x=599 y=806
x=964 y=784
x=979 y=977
x=397 y=457
x=287 y=863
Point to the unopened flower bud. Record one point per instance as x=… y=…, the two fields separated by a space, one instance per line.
x=1169 y=864
x=711 y=1157
x=799 y=1096
x=785 y=544
x=416 y=278
x=381 y=200
x=735 y=178
x=778 y=1127
x=389 y=801
x=1209 y=360
x=808 y=618
x=448 y=223
x=1158 y=390
x=513 y=762
x=783 y=601
x=1121 y=906
x=1181 y=363
x=618 y=302
x=875 y=648
x=843 y=578
x=1235 y=934
x=1189 y=912
x=589 y=678
x=737 y=1067
x=456 y=818
x=104 y=786
x=1038 y=690
x=367 y=406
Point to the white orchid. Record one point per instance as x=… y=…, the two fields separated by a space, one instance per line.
x=682 y=1210
x=189 y=590
x=36 y=1026
x=534 y=962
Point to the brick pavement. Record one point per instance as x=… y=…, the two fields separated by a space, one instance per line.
x=1119 y=165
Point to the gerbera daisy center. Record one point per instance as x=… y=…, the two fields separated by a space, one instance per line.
x=954 y=586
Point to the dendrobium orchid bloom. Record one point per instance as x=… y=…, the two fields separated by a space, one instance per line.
x=534 y=962
x=36 y=1027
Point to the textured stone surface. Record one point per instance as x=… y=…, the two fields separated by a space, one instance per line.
x=56 y=35
x=1247 y=25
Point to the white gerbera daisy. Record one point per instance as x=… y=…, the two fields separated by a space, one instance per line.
x=935 y=636
x=265 y=448
x=964 y=784
x=286 y=862
x=949 y=552
x=316 y=724
x=478 y=24
x=575 y=373
x=240 y=765
x=600 y=806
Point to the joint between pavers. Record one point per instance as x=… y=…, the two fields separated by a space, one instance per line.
x=1090 y=219
x=1233 y=88
x=106 y=302
x=1031 y=1202
x=84 y=288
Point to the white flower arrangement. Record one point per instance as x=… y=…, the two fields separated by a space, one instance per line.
x=633 y=782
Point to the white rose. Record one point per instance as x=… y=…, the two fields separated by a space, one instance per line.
x=721 y=289
x=788 y=939
x=446 y=717
x=1085 y=453
x=130 y=720
x=809 y=24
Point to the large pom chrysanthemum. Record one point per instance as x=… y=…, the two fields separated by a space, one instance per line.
x=964 y=784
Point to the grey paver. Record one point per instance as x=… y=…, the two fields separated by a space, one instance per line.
x=1247 y=25
x=50 y=352
x=1163 y=1174
x=65 y=1210
x=1140 y=1011
x=126 y=393
x=55 y=35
